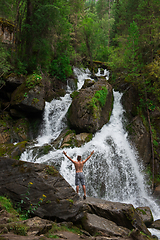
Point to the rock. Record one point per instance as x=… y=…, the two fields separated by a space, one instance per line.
x=120 y=213
x=146 y=215
x=75 y=140
x=138 y=133
x=87 y=113
x=37 y=226
x=156 y=224
x=4 y=134
x=15 y=113
x=45 y=192
x=13 y=81
x=88 y=83
x=28 y=100
x=156 y=193
x=13 y=131
x=59 y=203
x=95 y=224
x=136 y=235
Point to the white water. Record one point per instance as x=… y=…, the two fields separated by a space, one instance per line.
x=113 y=172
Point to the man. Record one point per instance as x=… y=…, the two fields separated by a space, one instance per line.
x=79 y=177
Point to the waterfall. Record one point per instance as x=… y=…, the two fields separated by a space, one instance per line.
x=113 y=172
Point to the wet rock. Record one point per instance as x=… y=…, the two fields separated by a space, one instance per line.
x=75 y=140
x=28 y=100
x=146 y=215
x=88 y=83
x=87 y=113
x=156 y=224
x=138 y=134
x=95 y=224
x=13 y=81
x=136 y=235
x=120 y=213
x=60 y=199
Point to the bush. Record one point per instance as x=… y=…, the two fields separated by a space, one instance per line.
x=61 y=67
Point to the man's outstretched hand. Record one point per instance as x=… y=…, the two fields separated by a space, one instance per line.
x=64 y=153
x=92 y=152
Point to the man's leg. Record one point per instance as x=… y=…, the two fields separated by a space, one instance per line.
x=77 y=188
x=84 y=190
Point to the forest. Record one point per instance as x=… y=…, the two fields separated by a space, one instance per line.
x=52 y=36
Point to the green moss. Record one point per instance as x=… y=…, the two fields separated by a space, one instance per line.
x=46 y=149
x=69 y=131
x=18 y=95
x=51 y=171
x=74 y=94
x=97 y=101
x=7 y=205
x=57 y=227
x=35 y=100
x=6 y=149
x=19 y=229
x=89 y=137
x=70 y=200
x=33 y=80
x=142 y=211
x=7 y=24
x=57 y=200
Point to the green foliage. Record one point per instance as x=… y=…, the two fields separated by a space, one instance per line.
x=32 y=207
x=6 y=204
x=20 y=67
x=5 y=65
x=99 y=99
x=18 y=228
x=57 y=227
x=33 y=80
x=25 y=95
x=35 y=100
x=51 y=171
x=131 y=52
x=101 y=96
x=74 y=94
x=61 y=68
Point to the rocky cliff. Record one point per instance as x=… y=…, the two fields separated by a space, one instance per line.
x=58 y=201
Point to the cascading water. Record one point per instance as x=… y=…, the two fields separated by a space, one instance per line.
x=113 y=172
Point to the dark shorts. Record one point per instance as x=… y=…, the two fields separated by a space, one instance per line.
x=79 y=178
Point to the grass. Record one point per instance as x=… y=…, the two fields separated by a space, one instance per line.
x=18 y=228
x=7 y=205
x=56 y=228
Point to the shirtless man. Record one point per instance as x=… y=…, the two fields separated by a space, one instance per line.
x=79 y=177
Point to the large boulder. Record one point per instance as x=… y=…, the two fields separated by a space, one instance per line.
x=13 y=81
x=17 y=178
x=146 y=215
x=95 y=224
x=122 y=214
x=29 y=97
x=156 y=224
x=91 y=107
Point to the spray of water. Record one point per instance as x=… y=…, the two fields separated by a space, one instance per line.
x=113 y=172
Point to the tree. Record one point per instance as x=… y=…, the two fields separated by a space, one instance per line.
x=131 y=51
x=147 y=19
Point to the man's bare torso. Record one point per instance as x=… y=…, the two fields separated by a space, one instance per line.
x=79 y=166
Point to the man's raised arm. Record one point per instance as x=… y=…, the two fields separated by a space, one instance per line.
x=68 y=156
x=88 y=157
